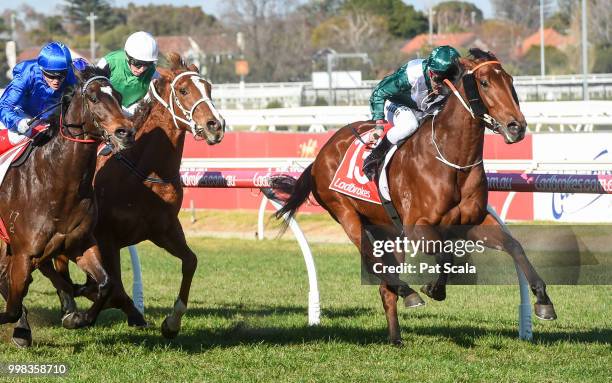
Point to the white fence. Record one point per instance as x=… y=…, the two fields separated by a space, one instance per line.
x=541 y=116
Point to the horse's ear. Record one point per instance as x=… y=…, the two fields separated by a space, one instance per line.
x=175 y=60
x=193 y=68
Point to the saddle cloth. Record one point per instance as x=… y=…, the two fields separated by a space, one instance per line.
x=349 y=178
x=10 y=155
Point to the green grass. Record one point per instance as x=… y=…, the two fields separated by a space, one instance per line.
x=247 y=321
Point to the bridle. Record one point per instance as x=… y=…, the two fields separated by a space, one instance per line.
x=85 y=108
x=476 y=108
x=174 y=100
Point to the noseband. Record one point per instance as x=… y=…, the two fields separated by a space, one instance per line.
x=173 y=99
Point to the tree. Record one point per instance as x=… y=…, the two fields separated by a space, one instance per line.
x=167 y=19
x=456 y=16
x=3 y=64
x=502 y=37
x=403 y=20
x=49 y=28
x=524 y=12
x=556 y=61
x=77 y=12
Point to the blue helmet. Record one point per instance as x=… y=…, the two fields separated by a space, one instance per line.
x=54 y=56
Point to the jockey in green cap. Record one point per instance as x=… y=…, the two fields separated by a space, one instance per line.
x=403 y=97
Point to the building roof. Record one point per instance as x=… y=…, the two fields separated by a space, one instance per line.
x=178 y=44
x=32 y=53
x=453 y=39
x=551 y=38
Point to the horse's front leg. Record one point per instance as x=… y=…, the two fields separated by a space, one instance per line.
x=494 y=235
x=173 y=240
x=90 y=261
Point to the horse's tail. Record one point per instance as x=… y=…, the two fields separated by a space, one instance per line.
x=298 y=191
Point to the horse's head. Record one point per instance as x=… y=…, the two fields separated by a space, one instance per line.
x=492 y=96
x=189 y=100
x=93 y=107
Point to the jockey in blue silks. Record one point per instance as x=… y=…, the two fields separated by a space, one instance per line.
x=36 y=86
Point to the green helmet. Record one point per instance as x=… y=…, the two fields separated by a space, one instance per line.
x=442 y=59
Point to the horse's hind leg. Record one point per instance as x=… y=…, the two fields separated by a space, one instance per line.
x=90 y=263
x=173 y=240
x=437 y=290
x=62 y=286
x=494 y=236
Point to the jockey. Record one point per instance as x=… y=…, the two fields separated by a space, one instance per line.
x=36 y=86
x=132 y=69
x=402 y=98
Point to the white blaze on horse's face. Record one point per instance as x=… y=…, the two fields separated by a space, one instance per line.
x=107 y=89
x=198 y=83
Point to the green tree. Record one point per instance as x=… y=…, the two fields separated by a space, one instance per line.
x=603 y=59
x=77 y=12
x=456 y=16
x=49 y=28
x=402 y=20
x=168 y=19
x=556 y=61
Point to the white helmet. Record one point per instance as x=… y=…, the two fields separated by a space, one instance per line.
x=141 y=46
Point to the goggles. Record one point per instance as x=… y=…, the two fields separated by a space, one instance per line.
x=55 y=75
x=138 y=64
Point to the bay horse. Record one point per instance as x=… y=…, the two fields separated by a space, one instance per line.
x=146 y=203
x=436 y=179
x=48 y=203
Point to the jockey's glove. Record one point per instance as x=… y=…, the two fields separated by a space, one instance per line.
x=22 y=126
x=379 y=128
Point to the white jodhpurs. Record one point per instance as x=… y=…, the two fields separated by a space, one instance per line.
x=14 y=137
x=403 y=120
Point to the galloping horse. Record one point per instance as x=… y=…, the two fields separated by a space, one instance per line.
x=180 y=101
x=49 y=205
x=436 y=179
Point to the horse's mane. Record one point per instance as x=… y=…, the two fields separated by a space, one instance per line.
x=479 y=54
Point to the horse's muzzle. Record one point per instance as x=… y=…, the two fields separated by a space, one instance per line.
x=213 y=132
x=514 y=132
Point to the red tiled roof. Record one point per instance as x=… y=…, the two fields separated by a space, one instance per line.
x=178 y=44
x=452 y=39
x=32 y=53
x=551 y=38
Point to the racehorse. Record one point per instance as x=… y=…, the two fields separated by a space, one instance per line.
x=436 y=179
x=48 y=203
x=180 y=101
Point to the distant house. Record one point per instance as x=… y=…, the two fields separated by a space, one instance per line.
x=415 y=46
x=32 y=53
x=552 y=38
x=196 y=50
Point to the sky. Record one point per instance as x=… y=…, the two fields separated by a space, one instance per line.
x=213 y=6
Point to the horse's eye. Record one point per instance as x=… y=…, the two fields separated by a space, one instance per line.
x=93 y=99
x=484 y=83
x=183 y=91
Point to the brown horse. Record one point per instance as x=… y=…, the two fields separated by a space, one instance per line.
x=436 y=179
x=149 y=174
x=48 y=203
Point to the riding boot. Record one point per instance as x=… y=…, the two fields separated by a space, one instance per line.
x=373 y=162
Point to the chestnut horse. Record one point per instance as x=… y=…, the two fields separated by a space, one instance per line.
x=179 y=102
x=436 y=179
x=48 y=203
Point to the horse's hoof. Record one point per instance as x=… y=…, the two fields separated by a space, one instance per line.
x=545 y=312
x=167 y=332
x=413 y=300
x=396 y=342
x=22 y=337
x=437 y=293
x=74 y=320
x=138 y=322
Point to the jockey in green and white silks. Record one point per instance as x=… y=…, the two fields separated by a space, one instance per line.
x=402 y=98
x=132 y=69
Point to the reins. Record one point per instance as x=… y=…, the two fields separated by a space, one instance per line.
x=474 y=104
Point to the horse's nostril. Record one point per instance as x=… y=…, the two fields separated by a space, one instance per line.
x=213 y=125
x=514 y=127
